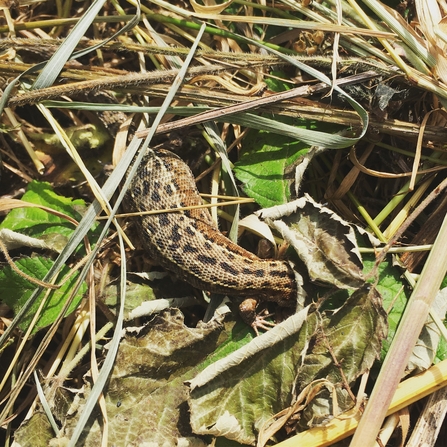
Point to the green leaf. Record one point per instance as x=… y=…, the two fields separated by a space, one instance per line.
x=146 y=395
x=35 y=222
x=15 y=291
x=325 y=243
x=34 y=432
x=395 y=295
x=136 y=294
x=237 y=401
x=277 y=83
x=265 y=161
x=441 y=353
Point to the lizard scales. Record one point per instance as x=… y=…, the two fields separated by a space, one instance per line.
x=189 y=243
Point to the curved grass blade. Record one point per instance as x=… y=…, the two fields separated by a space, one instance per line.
x=339 y=141
x=53 y=66
x=109 y=361
x=60 y=57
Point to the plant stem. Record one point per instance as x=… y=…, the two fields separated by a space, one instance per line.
x=404 y=341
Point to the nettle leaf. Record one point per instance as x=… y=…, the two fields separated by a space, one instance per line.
x=353 y=334
x=157 y=292
x=264 y=160
x=325 y=243
x=267 y=161
x=395 y=294
x=35 y=222
x=15 y=290
x=146 y=395
x=136 y=295
x=35 y=432
x=237 y=401
x=424 y=351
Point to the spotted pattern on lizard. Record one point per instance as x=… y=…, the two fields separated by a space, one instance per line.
x=189 y=243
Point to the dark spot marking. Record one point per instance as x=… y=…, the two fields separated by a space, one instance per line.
x=187 y=248
x=208 y=246
x=229 y=283
x=279 y=274
x=178 y=258
x=163 y=219
x=207 y=260
x=190 y=231
x=260 y=273
x=160 y=244
x=209 y=238
x=145 y=187
x=228 y=268
x=196 y=270
x=155 y=196
x=176 y=236
x=150 y=228
x=248 y=261
x=169 y=190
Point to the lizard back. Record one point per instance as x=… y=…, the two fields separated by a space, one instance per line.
x=189 y=243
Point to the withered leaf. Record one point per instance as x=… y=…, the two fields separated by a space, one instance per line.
x=345 y=343
x=324 y=242
x=238 y=401
x=146 y=396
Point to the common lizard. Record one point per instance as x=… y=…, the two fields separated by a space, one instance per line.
x=189 y=243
